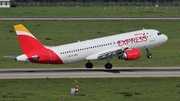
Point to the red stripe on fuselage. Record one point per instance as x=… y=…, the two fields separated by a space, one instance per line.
x=46 y=56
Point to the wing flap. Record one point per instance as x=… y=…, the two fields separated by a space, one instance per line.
x=105 y=54
x=110 y=53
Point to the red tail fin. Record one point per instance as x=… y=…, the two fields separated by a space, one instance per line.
x=27 y=41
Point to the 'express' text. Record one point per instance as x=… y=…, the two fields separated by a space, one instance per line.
x=132 y=40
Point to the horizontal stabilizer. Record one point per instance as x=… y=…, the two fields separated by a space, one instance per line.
x=10 y=57
x=35 y=57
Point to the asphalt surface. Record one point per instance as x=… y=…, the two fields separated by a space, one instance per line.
x=89 y=18
x=90 y=73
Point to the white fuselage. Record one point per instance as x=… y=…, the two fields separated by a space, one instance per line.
x=85 y=50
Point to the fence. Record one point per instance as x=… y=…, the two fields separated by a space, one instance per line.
x=86 y=4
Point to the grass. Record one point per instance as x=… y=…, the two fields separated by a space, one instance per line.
x=117 y=11
x=62 y=32
x=96 y=89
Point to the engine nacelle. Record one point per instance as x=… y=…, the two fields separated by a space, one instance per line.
x=132 y=54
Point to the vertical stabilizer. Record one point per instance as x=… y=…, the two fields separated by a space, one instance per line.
x=27 y=41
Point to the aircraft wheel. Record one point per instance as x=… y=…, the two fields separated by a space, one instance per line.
x=89 y=65
x=108 y=65
x=149 y=56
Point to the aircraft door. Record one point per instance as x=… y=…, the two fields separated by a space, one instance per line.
x=151 y=37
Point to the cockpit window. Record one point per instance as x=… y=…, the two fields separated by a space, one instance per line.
x=158 y=33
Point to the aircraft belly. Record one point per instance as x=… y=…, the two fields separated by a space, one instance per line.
x=72 y=59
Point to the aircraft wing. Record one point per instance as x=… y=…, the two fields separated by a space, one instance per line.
x=106 y=54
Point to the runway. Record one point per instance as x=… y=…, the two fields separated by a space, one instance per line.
x=89 y=18
x=117 y=72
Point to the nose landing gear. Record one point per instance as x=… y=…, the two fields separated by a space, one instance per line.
x=149 y=55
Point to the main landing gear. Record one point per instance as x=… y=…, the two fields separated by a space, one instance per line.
x=108 y=65
x=149 y=55
x=89 y=65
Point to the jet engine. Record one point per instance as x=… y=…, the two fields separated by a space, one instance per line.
x=131 y=54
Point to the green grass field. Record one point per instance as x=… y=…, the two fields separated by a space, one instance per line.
x=117 y=11
x=97 y=89
x=62 y=32
x=104 y=89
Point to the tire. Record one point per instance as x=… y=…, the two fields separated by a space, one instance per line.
x=89 y=65
x=108 y=66
x=149 y=56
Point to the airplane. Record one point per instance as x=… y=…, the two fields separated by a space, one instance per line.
x=125 y=46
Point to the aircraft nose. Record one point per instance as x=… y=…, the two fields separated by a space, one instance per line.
x=165 y=38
